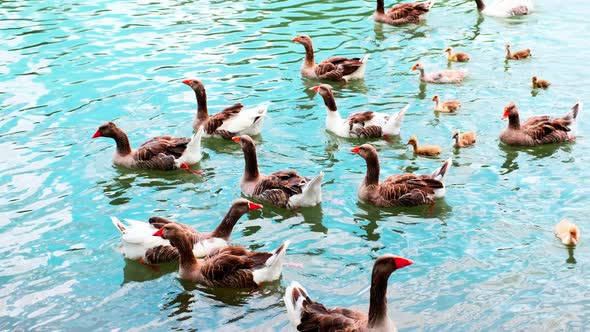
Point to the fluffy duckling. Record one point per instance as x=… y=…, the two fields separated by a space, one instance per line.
x=425 y=150
x=567 y=232
x=463 y=140
x=446 y=107
x=457 y=57
x=518 y=55
x=543 y=84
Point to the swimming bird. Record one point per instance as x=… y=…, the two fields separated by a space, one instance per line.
x=229 y=267
x=505 y=8
x=539 y=129
x=366 y=124
x=518 y=55
x=334 y=68
x=463 y=139
x=308 y=315
x=164 y=153
x=398 y=190
x=457 y=57
x=424 y=150
x=233 y=120
x=403 y=13
x=567 y=232
x=446 y=107
x=442 y=76
x=286 y=188
x=537 y=83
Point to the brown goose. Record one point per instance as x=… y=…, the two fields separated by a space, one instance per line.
x=234 y=120
x=139 y=244
x=458 y=57
x=286 y=189
x=542 y=84
x=446 y=107
x=518 y=55
x=159 y=153
x=539 y=129
x=229 y=267
x=403 y=13
x=332 y=69
x=463 y=139
x=398 y=190
x=308 y=315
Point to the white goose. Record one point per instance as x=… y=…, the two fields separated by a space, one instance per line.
x=362 y=124
x=140 y=244
x=505 y=8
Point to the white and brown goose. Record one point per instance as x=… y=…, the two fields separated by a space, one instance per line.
x=403 y=13
x=140 y=244
x=398 y=190
x=336 y=68
x=367 y=124
x=308 y=315
x=286 y=188
x=539 y=130
x=233 y=120
x=229 y=267
x=164 y=153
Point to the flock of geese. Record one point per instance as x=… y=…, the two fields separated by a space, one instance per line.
x=210 y=260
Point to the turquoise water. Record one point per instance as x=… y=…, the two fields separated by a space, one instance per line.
x=485 y=256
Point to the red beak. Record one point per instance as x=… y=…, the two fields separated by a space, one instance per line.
x=401 y=262
x=160 y=233
x=254 y=206
x=97 y=134
x=236 y=139
x=187 y=82
x=355 y=150
x=506 y=114
x=316 y=88
x=184 y=166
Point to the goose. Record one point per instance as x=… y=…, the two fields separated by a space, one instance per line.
x=362 y=124
x=518 y=55
x=539 y=129
x=446 y=107
x=234 y=120
x=286 y=188
x=440 y=77
x=505 y=8
x=457 y=57
x=567 y=232
x=140 y=245
x=463 y=139
x=159 y=153
x=425 y=150
x=229 y=267
x=402 y=13
x=333 y=69
x=308 y=315
x=398 y=190
x=542 y=84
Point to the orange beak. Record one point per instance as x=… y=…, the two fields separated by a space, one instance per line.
x=236 y=139
x=415 y=66
x=316 y=88
x=187 y=82
x=296 y=39
x=355 y=150
x=159 y=232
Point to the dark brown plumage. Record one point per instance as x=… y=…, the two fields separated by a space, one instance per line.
x=276 y=188
x=402 y=13
x=539 y=129
x=332 y=69
x=229 y=267
x=396 y=190
x=158 y=153
x=308 y=315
